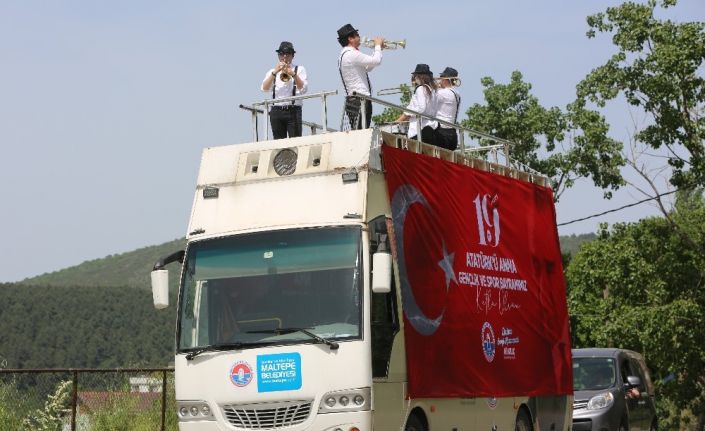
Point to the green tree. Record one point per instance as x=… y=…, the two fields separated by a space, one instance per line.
x=637 y=286
x=562 y=144
x=657 y=68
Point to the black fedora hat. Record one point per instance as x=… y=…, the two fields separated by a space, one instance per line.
x=449 y=72
x=422 y=69
x=286 y=48
x=346 y=31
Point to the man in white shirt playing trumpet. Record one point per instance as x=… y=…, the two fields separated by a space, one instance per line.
x=354 y=67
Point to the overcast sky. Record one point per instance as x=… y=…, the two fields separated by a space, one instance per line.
x=105 y=106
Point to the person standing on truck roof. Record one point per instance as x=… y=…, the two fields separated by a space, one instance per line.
x=448 y=105
x=424 y=100
x=286 y=80
x=354 y=67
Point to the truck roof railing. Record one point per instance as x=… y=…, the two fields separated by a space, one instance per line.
x=255 y=111
x=500 y=143
x=267 y=103
x=500 y=146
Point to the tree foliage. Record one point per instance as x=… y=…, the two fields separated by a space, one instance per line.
x=637 y=286
x=561 y=144
x=657 y=68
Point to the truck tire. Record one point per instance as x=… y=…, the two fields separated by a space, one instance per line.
x=414 y=424
x=523 y=422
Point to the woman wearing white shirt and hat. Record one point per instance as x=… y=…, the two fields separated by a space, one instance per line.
x=424 y=101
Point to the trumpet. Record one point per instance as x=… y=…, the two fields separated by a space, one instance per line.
x=283 y=75
x=390 y=91
x=454 y=81
x=387 y=44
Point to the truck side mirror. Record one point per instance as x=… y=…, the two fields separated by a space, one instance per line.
x=160 y=288
x=160 y=279
x=382 y=272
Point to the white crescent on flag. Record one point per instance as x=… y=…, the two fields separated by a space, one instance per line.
x=404 y=197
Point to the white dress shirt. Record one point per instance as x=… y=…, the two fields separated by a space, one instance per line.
x=425 y=104
x=354 y=65
x=285 y=89
x=448 y=103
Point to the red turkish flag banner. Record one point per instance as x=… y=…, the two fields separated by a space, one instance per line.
x=481 y=278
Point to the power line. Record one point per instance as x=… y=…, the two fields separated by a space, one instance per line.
x=618 y=209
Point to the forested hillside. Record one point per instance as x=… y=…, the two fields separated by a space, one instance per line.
x=71 y=326
x=126 y=269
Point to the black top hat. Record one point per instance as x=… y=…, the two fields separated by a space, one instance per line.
x=346 y=31
x=422 y=69
x=449 y=72
x=286 y=48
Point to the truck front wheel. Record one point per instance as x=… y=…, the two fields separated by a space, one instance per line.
x=523 y=422
x=414 y=424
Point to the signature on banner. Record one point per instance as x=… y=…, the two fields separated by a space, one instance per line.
x=487 y=299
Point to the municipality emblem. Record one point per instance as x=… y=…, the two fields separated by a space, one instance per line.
x=241 y=374
x=488 y=342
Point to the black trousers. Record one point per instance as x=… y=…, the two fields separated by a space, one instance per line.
x=285 y=120
x=446 y=138
x=352 y=110
x=428 y=135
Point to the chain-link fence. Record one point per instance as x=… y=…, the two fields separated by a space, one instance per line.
x=137 y=399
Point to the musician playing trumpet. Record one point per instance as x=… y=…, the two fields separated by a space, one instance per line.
x=285 y=80
x=448 y=105
x=354 y=66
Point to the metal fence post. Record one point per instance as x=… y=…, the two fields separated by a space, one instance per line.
x=163 y=399
x=74 y=402
x=363 y=112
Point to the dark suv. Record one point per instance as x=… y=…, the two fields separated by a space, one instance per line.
x=613 y=391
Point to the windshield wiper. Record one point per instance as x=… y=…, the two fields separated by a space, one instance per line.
x=217 y=348
x=282 y=331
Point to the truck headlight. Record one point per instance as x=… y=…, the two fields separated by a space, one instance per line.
x=339 y=401
x=601 y=401
x=194 y=411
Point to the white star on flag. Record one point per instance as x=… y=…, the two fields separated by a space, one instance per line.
x=446 y=265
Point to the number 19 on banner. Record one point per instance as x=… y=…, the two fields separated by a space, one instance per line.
x=487 y=228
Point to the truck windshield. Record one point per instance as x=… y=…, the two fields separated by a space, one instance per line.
x=239 y=290
x=592 y=374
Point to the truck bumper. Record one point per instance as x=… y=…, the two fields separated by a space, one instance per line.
x=319 y=422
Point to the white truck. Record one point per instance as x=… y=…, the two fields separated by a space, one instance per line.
x=291 y=313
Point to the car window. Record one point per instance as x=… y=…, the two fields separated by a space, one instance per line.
x=590 y=374
x=639 y=367
x=626 y=370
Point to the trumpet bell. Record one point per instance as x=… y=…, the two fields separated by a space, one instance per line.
x=285 y=77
